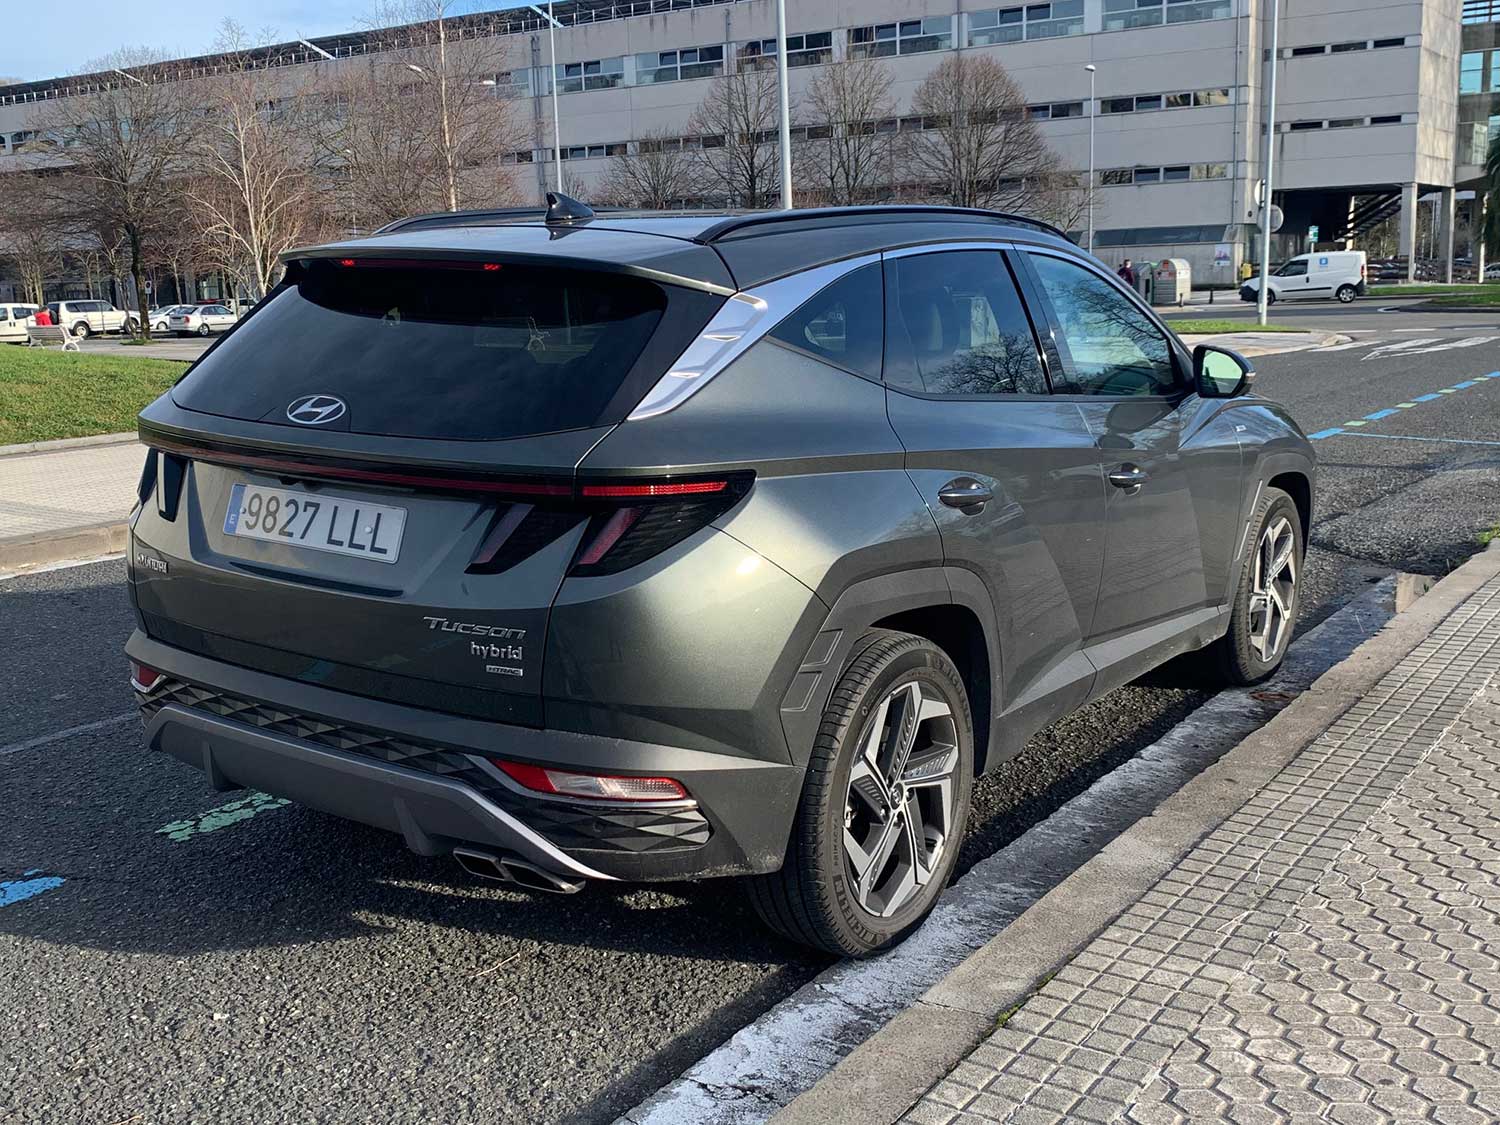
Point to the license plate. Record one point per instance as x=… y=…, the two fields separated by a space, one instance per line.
x=320 y=523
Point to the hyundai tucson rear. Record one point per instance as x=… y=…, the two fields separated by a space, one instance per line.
x=458 y=534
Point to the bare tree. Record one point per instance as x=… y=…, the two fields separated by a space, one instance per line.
x=1062 y=199
x=848 y=156
x=982 y=149
x=124 y=145
x=737 y=120
x=421 y=125
x=657 y=175
x=251 y=186
x=30 y=241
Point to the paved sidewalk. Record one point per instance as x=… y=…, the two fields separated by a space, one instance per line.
x=66 y=503
x=1330 y=953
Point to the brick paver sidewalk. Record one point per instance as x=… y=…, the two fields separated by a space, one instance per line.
x=1331 y=953
x=67 y=489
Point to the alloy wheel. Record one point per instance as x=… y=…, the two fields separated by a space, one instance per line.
x=1273 y=588
x=899 y=808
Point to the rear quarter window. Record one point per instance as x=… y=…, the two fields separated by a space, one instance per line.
x=452 y=350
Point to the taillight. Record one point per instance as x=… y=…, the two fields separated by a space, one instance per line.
x=143 y=677
x=591 y=786
x=651 y=517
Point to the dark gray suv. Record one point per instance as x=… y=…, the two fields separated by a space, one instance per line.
x=606 y=547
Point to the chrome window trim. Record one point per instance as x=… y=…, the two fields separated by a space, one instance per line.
x=945 y=247
x=743 y=320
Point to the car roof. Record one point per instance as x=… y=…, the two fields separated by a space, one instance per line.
x=720 y=251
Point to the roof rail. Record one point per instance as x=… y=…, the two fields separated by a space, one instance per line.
x=739 y=223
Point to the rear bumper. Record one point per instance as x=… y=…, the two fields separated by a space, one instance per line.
x=426 y=776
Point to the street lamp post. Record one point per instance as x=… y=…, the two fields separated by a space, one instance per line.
x=552 y=26
x=1270 y=165
x=1093 y=112
x=785 y=124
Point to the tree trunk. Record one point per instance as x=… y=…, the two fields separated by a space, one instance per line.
x=138 y=275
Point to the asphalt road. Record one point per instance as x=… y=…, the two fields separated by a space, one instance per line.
x=269 y=963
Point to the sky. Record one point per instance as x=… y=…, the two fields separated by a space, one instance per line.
x=39 y=46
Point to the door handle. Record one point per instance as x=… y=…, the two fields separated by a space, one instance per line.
x=966 y=493
x=1130 y=478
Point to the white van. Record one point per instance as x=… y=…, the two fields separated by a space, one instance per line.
x=14 y=320
x=1339 y=274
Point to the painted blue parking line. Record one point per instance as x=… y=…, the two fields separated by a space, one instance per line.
x=1321 y=434
x=1379 y=414
x=1427 y=398
x=19 y=890
x=1467 y=383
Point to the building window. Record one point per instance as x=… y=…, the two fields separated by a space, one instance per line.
x=1345 y=122
x=1345 y=48
x=1029 y=21
x=1048 y=110
x=1300 y=52
x=1142 y=103
x=801 y=50
x=1304 y=126
x=1116 y=176
x=1148 y=175
x=1122 y=14
x=599 y=74
x=1171 y=174
x=1475 y=72
x=1210 y=171
x=1175 y=174
x=674 y=66
x=1386 y=119
x=909 y=37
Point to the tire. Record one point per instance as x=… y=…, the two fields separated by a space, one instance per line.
x=816 y=898
x=203 y=330
x=1346 y=294
x=1242 y=656
x=131 y=327
x=1270 y=297
x=81 y=330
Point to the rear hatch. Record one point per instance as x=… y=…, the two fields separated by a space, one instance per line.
x=369 y=483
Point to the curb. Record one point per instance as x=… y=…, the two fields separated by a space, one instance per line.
x=62 y=444
x=888 y=1073
x=24 y=552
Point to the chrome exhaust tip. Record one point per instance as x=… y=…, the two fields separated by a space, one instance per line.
x=508 y=869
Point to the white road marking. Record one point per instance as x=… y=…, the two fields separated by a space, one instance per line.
x=778 y=1056
x=1466 y=342
x=27 y=572
x=1349 y=346
x=58 y=736
x=1402 y=345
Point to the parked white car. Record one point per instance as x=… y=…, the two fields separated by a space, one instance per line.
x=14 y=320
x=85 y=318
x=201 y=320
x=1339 y=274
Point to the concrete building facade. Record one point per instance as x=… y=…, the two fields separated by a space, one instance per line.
x=1371 y=95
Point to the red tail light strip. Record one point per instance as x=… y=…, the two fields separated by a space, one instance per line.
x=635 y=491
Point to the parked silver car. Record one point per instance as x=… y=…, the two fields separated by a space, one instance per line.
x=201 y=320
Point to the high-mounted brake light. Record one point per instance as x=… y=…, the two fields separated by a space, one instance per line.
x=491 y=267
x=591 y=786
x=346 y=261
x=635 y=491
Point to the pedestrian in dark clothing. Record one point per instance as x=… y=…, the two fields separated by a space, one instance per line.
x=1127 y=273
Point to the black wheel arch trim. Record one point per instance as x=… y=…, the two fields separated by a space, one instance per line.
x=861 y=605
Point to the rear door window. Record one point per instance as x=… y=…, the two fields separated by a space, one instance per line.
x=841 y=324
x=460 y=350
x=957 y=327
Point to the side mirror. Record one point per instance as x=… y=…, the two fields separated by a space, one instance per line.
x=1221 y=373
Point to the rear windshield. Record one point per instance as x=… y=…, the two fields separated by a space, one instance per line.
x=456 y=350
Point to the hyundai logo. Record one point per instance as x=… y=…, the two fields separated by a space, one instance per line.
x=314 y=410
